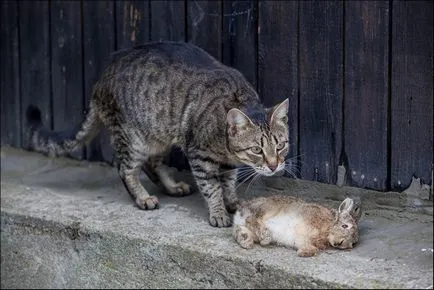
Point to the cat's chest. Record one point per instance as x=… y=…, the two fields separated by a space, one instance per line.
x=287 y=230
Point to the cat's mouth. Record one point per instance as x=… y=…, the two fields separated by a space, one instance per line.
x=264 y=170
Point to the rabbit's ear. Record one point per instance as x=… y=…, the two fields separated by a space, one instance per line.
x=349 y=206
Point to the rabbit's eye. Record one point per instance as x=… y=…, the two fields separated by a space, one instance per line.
x=344 y=226
x=340 y=243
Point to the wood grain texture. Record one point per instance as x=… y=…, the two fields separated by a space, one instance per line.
x=132 y=23
x=168 y=20
x=277 y=61
x=366 y=92
x=412 y=92
x=67 y=66
x=35 y=56
x=99 y=42
x=9 y=75
x=240 y=32
x=204 y=19
x=321 y=88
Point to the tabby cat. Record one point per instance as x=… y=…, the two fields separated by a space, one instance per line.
x=165 y=94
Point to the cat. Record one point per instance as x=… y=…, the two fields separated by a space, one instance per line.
x=162 y=94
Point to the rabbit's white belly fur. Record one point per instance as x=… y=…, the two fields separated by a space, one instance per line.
x=285 y=230
x=239 y=220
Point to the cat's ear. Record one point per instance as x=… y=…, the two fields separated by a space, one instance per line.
x=279 y=113
x=237 y=121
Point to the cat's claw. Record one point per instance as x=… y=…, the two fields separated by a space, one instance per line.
x=148 y=203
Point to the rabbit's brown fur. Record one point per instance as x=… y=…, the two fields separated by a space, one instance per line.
x=292 y=222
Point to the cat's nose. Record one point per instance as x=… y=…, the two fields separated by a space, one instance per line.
x=272 y=167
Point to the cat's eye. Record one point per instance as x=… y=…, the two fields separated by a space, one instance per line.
x=256 y=149
x=280 y=146
x=344 y=226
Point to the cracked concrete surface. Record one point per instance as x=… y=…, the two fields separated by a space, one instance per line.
x=68 y=223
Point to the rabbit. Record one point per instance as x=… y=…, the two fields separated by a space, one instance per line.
x=292 y=222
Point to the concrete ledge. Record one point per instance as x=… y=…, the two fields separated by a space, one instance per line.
x=68 y=224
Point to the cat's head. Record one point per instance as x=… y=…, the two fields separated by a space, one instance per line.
x=258 y=137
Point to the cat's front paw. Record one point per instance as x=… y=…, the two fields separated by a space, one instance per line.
x=220 y=219
x=148 y=203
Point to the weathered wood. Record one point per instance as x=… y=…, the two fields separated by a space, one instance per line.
x=9 y=75
x=204 y=19
x=240 y=31
x=168 y=20
x=321 y=88
x=132 y=23
x=99 y=43
x=412 y=92
x=277 y=60
x=35 y=60
x=66 y=66
x=366 y=92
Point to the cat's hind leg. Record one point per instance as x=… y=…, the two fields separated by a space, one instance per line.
x=130 y=162
x=159 y=173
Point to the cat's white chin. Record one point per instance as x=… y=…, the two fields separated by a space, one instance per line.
x=267 y=171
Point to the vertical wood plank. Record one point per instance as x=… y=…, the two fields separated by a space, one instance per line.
x=321 y=88
x=132 y=23
x=366 y=92
x=9 y=75
x=99 y=43
x=205 y=25
x=240 y=33
x=412 y=92
x=168 y=20
x=277 y=61
x=34 y=17
x=66 y=66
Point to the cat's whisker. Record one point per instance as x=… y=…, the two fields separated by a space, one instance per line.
x=252 y=174
x=252 y=181
x=243 y=173
x=246 y=175
x=241 y=169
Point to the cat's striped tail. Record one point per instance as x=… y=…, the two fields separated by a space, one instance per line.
x=60 y=143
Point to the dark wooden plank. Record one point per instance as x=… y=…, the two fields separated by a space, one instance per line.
x=240 y=34
x=412 y=92
x=205 y=25
x=9 y=75
x=66 y=66
x=321 y=88
x=277 y=61
x=168 y=20
x=132 y=23
x=35 y=59
x=99 y=42
x=366 y=92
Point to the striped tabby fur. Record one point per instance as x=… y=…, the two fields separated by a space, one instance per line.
x=166 y=94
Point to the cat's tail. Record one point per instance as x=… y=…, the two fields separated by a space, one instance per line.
x=60 y=143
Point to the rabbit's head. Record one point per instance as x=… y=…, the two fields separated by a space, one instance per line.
x=344 y=233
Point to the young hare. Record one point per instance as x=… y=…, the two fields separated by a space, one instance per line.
x=292 y=222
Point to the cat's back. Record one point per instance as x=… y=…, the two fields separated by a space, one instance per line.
x=168 y=53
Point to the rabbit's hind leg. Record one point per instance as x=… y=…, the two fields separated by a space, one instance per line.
x=244 y=237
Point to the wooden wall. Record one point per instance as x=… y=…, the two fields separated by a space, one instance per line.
x=358 y=74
